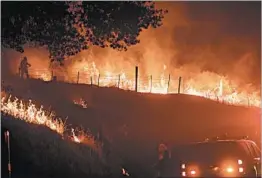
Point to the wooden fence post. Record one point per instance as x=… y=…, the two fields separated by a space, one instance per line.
x=168 y=83
x=136 y=79
x=98 y=79
x=183 y=85
x=151 y=77
x=7 y=137
x=118 y=81
x=91 y=81
x=77 y=77
x=179 y=84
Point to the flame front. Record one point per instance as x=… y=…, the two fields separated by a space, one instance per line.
x=31 y=114
x=81 y=103
x=205 y=84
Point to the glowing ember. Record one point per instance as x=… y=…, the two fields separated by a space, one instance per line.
x=124 y=172
x=31 y=114
x=81 y=103
x=41 y=74
x=75 y=138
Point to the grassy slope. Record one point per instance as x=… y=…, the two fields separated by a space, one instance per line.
x=150 y=118
x=39 y=152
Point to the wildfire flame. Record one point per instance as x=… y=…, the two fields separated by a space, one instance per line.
x=124 y=172
x=44 y=76
x=76 y=139
x=81 y=103
x=205 y=84
x=31 y=114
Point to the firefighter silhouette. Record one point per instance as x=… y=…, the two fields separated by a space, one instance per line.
x=162 y=166
x=23 y=68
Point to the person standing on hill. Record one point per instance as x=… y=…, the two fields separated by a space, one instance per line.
x=23 y=68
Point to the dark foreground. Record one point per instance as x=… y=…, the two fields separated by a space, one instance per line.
x=37 y=152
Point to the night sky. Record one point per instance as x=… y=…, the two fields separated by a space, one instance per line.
x=218 y=36
x=223 y=20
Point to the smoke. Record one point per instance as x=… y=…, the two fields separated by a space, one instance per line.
x=220 y=37
x=156 y=49
x=196 y=37
x=37 y=57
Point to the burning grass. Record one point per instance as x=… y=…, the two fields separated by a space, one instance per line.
x=39 y=152
x=205 y=84
x=173 y=107
x=16 y=112
x=82 y=103
x=29 y=113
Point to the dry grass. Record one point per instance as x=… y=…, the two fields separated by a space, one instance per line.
x=42 y=152
x=149 y=119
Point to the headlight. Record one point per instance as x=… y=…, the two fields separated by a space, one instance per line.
x=192 y=172
x=240 y=169
x=183 y=166
x=232 y=168
x=184 y=174
x=229 y=169
x=189 y=171
x=240 y=162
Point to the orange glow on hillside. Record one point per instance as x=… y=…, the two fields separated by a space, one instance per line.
x=29 y=113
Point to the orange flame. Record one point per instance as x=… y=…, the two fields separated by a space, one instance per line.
x=124 y=172
x=81 y=103
x=205 y=84
x=31 y=114
x=45 y=75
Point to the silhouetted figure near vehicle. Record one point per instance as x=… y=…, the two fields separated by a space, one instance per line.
x=162 y=166
x=23 y=68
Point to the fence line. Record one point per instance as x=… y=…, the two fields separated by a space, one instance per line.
x=147 y=84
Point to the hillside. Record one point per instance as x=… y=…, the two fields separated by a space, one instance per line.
x=136 y=121
x=39 y=152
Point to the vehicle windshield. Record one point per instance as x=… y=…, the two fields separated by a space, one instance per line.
x=209 y=151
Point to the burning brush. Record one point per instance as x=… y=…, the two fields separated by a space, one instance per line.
x=124 y=172
x=31 y=114
x=81 y=103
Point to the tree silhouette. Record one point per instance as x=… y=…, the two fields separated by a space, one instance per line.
x=66 y=28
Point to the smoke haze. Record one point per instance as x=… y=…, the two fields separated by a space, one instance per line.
x=218 y=37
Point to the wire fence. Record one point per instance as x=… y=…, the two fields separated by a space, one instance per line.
x=149 y=84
